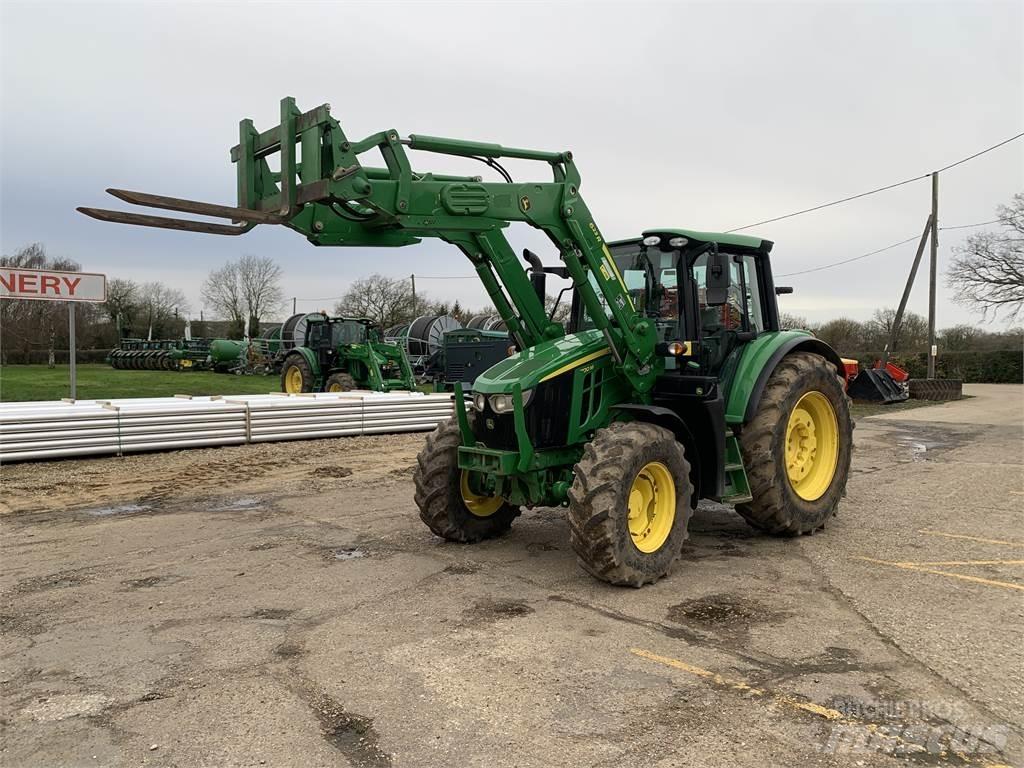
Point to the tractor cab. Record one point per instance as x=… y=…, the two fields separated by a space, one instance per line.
x=705 y=293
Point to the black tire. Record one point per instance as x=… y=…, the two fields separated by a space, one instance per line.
x=298 y=362
x=599 y=503
x=438 y=482
x=342 y=381
x=936 y=389
x=776 y=507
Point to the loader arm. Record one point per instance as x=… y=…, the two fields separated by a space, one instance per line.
x=322 y=190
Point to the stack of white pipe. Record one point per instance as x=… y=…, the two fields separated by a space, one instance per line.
x=54 y=429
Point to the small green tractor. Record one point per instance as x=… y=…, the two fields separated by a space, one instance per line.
x=344 y=353
x=673 y=381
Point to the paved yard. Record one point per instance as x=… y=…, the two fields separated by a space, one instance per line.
x=282 y=605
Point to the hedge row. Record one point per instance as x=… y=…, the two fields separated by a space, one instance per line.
x=60 y=356
x=998 y=367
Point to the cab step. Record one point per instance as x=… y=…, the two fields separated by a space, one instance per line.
x=737 y=488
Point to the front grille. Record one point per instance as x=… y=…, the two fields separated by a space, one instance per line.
x=547 y=419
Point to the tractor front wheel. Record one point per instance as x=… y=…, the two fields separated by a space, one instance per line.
x=451 y=500
x=340 y=382
x=296 y=375
x=629 y=504
x=797 y=447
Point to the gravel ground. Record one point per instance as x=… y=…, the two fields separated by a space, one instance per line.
x=283 y=605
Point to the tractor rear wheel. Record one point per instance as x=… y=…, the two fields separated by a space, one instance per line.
x=449 y=498
x=797 y=447
x=340 y=382
x=296 y=375
x=629 y=504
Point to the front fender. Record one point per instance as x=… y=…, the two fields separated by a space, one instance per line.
x=757 y=361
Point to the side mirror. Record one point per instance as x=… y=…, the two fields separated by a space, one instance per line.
x=783 y=289
x=717 y=279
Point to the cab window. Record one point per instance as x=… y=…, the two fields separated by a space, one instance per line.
x=742 y=310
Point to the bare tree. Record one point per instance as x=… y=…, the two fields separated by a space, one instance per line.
x=160 y=308
x=222 y=292
x=385 y=300
x=260 y=279
x=122 y=303
x=558 y=307
x=790 y=322
x=988 y=271
x=912 y=336
x=844 y=335
x=247 y=288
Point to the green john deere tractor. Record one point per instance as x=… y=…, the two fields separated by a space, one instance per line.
x=672 y=383
x=344 y=353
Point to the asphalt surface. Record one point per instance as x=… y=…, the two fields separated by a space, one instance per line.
x=288 y=608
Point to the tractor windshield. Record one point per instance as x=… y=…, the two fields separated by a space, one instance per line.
x=650 y=277
x=348 y=332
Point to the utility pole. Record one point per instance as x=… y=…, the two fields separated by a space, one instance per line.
x=894 y=335
x=932 y=276
x=414 y=310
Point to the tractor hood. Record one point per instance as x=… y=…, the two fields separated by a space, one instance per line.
x=546 y=360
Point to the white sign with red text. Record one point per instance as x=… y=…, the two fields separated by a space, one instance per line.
x=48 y=285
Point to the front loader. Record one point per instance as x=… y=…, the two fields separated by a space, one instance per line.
x=672 y=383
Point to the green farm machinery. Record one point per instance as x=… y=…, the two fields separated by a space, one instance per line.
x=339 y=354
x=160 y=354
x=672 y=382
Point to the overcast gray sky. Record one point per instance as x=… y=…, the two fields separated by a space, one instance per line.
x=699 y=115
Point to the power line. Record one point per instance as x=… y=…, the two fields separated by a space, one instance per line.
x=879 y=189
x=979 y=224
x=855 y=258
x=979 y=154
x=834 y=202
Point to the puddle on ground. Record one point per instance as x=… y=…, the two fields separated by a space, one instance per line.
x=120 y=509
x=240 y=504
x=723 y=611
x=919 y=446
x=348 y=553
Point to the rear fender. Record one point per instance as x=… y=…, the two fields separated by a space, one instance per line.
x=757 y=362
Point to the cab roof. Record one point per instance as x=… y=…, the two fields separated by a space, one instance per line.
x=742 y=243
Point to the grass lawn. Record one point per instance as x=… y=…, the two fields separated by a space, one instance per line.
x=98 y=381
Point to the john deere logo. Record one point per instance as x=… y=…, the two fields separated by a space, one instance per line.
x=524 y=203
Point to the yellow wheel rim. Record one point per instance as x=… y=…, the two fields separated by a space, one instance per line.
x=335 y=387
x=812 y=446
x=481 y=506
x=293 y=380
x=652 y=507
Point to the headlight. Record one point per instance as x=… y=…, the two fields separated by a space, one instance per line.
x=652 y=240
x=504 y=403
x=501 y=403
x=479 y=401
